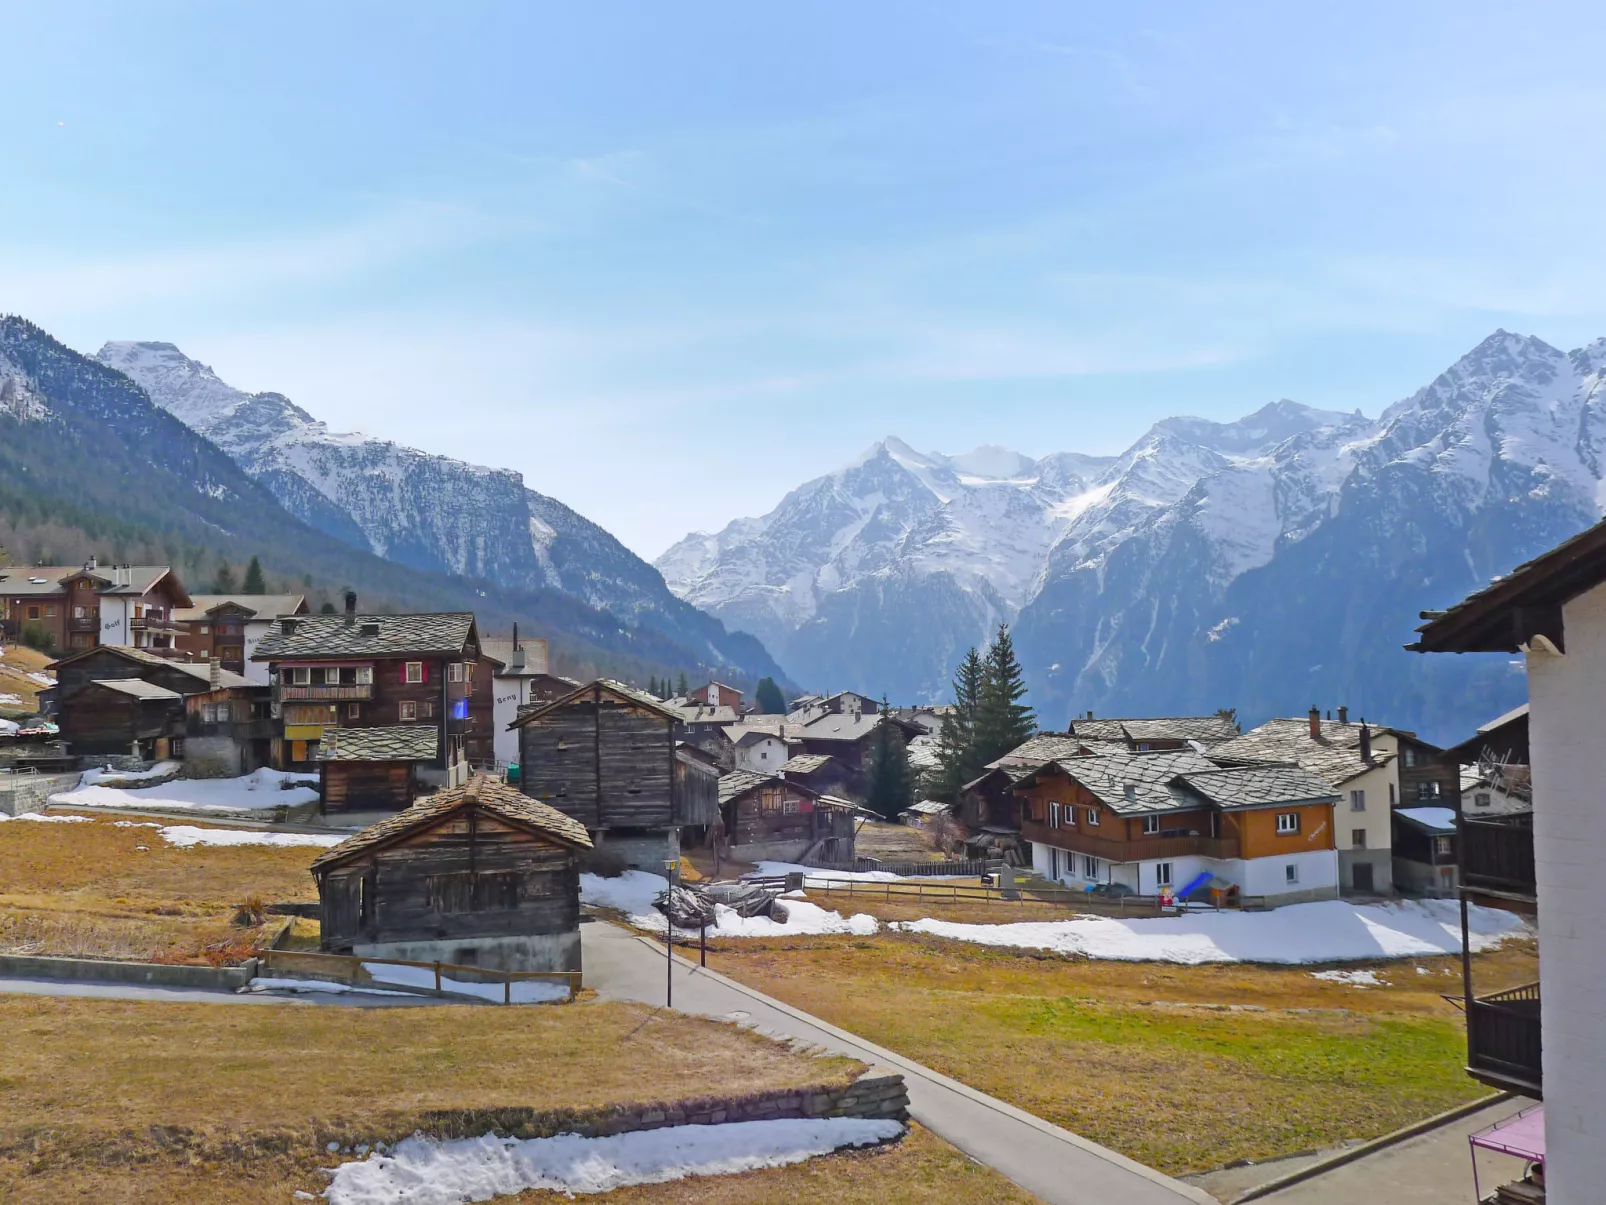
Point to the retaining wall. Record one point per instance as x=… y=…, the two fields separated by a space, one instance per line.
x=148 y=974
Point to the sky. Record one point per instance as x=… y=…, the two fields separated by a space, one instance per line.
x=670 y=261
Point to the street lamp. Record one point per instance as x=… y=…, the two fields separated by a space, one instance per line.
x=671 y=872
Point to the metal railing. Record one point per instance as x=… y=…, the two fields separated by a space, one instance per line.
x=353 y=969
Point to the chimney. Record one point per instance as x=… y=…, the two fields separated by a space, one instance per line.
x=91 y=563
x=515 y=634
x=215 y=673
x=1343 y=715
x=1090 y=713
x=351 y=603
x=1366 y=742
x=1315 y=723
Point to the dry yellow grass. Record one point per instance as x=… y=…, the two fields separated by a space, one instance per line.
x=97 y=890
x=16 y=663
x=1183 y=1068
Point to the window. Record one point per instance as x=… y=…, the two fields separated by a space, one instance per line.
x=353 y=711
x=1151 y=824
x=206 y=629
x=365 y=675
x=1291 y=874
x=408 y=711
x=414 y=672
x=1357 y=801
x=1287 y=822
x=1426 y=791
x=208 y=713
x=426 y=709
x=50 y=611
x=331 y=675
x=300 y=675
x=33 y=612
x=1410 y=758
x=1092 y=815
x=1053 y=815
x=1090 y=867
x=789 y=807
x=1441 y=846
x=763 y=755
x=454 y=672
x=1357 y=838
x=1481 y=799
x=1162 y=874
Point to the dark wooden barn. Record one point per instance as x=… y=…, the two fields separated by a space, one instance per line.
x=123 y=715
x=476 y=875
x=374 y=769
x=769 y=817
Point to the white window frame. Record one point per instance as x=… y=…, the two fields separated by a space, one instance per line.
x=300 y=675
x=454 y=671
x=1481 y=799
x=1090 y=868
x=365 y=675
x=1151 y=826
x=1053 y=815
x=1092 y=817
x=414 y=672
x=1162 y=874
x=331 y=675
x=1291 y=827
x=1357 y=801
x=407 y=711
x=1291 y=874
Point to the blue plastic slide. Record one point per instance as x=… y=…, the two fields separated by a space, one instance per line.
x=1197 y=883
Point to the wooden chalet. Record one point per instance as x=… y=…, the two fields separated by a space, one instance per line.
x=373 y=769
x=1424 y=850
x=227 y=628
x=476 y=875
x=765 y=816
x=819 y=772
x=123 y=716
x=606 y=755
x=83 y=606
x=378 y=671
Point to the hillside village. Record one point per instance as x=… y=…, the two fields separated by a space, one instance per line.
x=417 y=810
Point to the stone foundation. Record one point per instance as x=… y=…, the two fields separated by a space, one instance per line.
x=548 y=952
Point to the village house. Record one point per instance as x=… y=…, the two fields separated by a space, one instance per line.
x=717 y=694
x=377 y=671
x=988 y=803
x=373 y=769
x=811 y=707
x=1155 y=733
x=926 y=813
x=819 y=772
x=519 y=677
x=1424 y=851
x=227 y=628
x=476 y=875
x=83 y=606
x=1545 y=1040
x=1374 y=768
x=1495 y=776
x=767 y=817
x=1155 y=821
x=759 y=750
x=606 y=755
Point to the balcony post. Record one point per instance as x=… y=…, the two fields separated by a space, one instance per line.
x=1466 y=973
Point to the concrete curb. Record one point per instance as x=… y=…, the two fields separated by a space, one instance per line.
x=911 y=1068
x=100 y=970
x=1313 y=1170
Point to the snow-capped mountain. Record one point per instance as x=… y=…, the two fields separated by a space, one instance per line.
x=422 y=510
x=1266 y=564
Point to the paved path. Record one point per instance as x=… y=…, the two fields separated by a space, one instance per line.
x=195 y=995
x=1056 y=1165
x=1431 y=1169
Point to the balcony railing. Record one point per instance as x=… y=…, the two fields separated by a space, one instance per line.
x=84 y=623
x=1497 y=853
x=1142 y=849
x=153 y=623
x=321 y=693
x=1503 y=1040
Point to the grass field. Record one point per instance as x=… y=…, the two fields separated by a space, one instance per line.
x=125 y=1101
x=16 y=663
x=99 y=891
x=1183 y=1068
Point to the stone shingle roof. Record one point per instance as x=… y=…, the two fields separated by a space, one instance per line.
x=482 y=791
x=23 y=579
x=1040 y=750
x=701 y=713
x=264 y=606
x=1206 y=729
x=1259 y=786
x=1335 y=756
x=805 y=763
x=399 y=742
x=442 y=633
x=739 y=782
x=1151 y=777
x=138 y=688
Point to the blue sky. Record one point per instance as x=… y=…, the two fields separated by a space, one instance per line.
x=717 y=249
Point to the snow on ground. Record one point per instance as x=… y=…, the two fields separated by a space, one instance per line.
x=261 y=984
x=9 y=700
x=525 y=991
x=634 y=891
x=41 y=818
x=429 y=1171
x=1329 y=931
x=186 y=836
x=1353 y=978
x=113 y=777
x=253 y=792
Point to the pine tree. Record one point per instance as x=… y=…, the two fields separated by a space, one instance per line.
x=891 y=786
x=254 y=582
x=224 y=582
x=767 y=698
x=652 y=687
x=1002 y=720
x=956 y=751
x=682 y=688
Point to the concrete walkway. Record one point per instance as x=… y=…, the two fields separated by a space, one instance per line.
x=1053 y=1163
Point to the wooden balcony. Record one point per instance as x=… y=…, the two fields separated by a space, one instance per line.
x=153 y=623
x=1497 y=854
x=88 y=623
x=1142 y=849
x=1503 y=1041
x=323 y=694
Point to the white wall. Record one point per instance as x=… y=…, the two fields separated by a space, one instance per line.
x=507 y=695
x=1566 y=725
x=1318 y=871
x=255 y=671
x=761 y=756
x=114 y=613
x=1375 y=819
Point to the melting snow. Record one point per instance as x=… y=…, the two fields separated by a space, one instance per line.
x=186 y=836
x=254 y=792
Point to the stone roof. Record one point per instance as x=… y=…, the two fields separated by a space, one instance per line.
x=138 y=688
x=929 y=807
x=738 y=783
x=443 y=633
x=1433 y=820
x=1133 y=783
x=399 y=742
x=47 y=579
x=1206 y=729
x=1259 y=786
x=1334 y=756
x=482 y=791
x=805 y=763
x=262 y=606
x=701 y=713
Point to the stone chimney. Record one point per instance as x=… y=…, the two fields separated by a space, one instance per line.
x=1343 y=715
x=1366 y=742
x=1315 y=723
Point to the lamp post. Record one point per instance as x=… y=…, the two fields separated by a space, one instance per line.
x=672 y=870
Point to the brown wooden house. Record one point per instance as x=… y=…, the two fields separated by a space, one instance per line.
x=373 y=769
x=766 y=816
x=605 y=755
x=123 y=716
x=82 y=606
x=476 y=875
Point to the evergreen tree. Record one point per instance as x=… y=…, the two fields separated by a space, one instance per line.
x=652 y=687
x=328 y=608
x=891 y=787
x=224 y=581
x=1003 y=721
x=682 y=688
x=254 y=582
x=956 y=749
x=767 y=698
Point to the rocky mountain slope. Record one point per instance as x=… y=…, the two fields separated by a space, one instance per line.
x=1266 y=564
x=425 y=511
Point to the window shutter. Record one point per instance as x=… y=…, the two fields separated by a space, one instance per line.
x=423 y=668
x=401 y=672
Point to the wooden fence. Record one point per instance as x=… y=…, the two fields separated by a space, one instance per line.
x=354 y=970
x=973 y=867
x=956 y=893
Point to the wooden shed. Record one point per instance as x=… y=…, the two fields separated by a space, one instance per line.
x=123 y=715
x=372 y=769
x=477 y=875
x=768 y=817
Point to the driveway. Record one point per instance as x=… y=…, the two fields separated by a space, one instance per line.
x=1058 y=1166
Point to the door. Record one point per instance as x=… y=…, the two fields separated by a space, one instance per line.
x=1053 y=862
x=1362 y=876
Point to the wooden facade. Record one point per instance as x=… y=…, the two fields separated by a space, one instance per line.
x=1429 y=777
x=101 y=719
x=366 y=786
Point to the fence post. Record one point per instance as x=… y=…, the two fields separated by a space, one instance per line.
x=437 y=976
x=702 y=956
